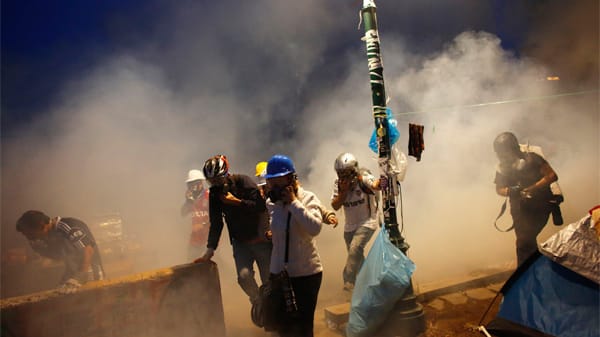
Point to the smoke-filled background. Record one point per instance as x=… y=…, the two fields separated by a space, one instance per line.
x=112 y=122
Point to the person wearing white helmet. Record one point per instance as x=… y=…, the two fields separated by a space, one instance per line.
x=196 y=204
x=357 y=191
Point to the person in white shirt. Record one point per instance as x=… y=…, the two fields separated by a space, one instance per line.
x=357 y=191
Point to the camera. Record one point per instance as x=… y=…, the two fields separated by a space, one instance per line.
x=515 y=191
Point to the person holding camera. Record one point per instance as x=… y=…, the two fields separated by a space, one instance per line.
x=296 y=220
x=64 y=239
x=196 y=204
x=356 y=190
x=525 y=178
x=235 y=198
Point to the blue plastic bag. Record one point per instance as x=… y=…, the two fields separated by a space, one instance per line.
x=393 y=129
x=381 y=282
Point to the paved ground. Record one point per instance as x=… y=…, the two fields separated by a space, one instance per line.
x=451 y=310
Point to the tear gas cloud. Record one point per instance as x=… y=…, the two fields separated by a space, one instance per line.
x=122 y=137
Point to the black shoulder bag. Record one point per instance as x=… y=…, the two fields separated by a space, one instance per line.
x=276 y=301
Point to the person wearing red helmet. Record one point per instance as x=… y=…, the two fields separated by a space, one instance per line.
x=236 y=199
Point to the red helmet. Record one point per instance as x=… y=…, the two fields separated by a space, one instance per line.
x=216 y=166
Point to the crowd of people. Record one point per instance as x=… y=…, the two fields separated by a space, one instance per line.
x=273 y=221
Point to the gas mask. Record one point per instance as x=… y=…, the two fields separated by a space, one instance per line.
x=195 y=189
x=275 y=193
x=221 y=189
x=349 y=176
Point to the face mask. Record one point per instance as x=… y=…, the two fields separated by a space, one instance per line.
x=275 y=194
x=196 y=193
x=220 y=189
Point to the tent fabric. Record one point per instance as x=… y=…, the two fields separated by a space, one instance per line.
x=556 y=292
x=504 y=328
x=552 y=299
x=577 y=248
x=543 y=298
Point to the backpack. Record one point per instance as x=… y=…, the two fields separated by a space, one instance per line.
x=372 y=196
x=554 y=187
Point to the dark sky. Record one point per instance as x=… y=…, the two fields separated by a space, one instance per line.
x=45 y=44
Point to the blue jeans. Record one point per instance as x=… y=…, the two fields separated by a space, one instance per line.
x=356 y=241
x=244 y=255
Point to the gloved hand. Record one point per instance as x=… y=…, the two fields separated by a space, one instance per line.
x=69 y=286
x=331 y=219
x=208 y=254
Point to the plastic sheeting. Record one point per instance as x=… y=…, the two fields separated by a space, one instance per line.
x=392 y=129
x=381 y=282
x=577 y=248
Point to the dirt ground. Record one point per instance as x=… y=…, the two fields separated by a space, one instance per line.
x=442 y=318
x=458 y=320
x=452 y=320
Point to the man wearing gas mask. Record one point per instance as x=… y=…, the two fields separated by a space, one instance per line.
x=356 y=190
x=525 y=178
x=235 y=199
x=196 y=204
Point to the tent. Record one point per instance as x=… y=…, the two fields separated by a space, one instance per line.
x=556 y=292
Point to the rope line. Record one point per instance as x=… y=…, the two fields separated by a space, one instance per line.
x=516 y=100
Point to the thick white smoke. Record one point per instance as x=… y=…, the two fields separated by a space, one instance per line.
x=250 y=80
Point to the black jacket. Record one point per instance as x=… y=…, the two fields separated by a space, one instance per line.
x=243 y=220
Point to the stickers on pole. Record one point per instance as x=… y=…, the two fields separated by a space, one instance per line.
x=393 y=130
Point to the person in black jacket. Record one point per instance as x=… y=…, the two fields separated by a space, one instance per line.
x=65 y=239
x=236 y=199
x=524 y=177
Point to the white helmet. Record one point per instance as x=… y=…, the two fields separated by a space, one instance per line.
x=345 y=161
x=194 y=175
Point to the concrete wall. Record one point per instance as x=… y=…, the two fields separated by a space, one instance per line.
x=180 y=301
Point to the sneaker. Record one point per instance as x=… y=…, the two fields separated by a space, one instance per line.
x=348 y=286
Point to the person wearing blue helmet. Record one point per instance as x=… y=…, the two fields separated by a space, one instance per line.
x=297 y=212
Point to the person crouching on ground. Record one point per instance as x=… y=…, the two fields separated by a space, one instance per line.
x=64 y=239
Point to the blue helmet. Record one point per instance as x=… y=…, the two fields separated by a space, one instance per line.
x=279 y=166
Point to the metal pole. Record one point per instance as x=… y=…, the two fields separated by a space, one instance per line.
x=407 y=318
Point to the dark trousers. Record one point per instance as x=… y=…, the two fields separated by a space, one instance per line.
x=306 y=289
x=529 y=222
